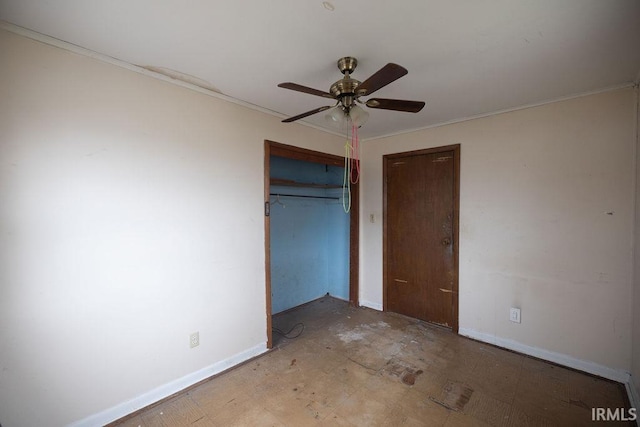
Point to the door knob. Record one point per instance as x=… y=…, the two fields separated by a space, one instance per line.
x=446 y=241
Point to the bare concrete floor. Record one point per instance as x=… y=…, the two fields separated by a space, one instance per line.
x=360 y=367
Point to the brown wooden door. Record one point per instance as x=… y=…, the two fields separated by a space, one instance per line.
x=420 y=233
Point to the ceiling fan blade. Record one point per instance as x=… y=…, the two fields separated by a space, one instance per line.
x=395 y=104
x=305 y=89
x=381 y=78
x=308 y=113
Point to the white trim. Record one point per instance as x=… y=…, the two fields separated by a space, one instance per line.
x=163 y=391
x=369 y=304
x=618 y=375
x=632 y=392
x=43 y=38
x=506 y=110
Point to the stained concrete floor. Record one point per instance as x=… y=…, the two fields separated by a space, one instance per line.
x=360 y=367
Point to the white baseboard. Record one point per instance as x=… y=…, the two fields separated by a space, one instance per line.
x=369 y=304
x=159 y=393
x=618 y=375
x=632 y=392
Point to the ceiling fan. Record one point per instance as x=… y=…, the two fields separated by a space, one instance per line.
x=347 y=91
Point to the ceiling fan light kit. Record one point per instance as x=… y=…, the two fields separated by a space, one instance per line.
x=338 y=117
x=358 y=115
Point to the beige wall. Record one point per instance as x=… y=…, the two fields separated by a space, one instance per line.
x=131 y=215
x=545 y=225
x=635 y=366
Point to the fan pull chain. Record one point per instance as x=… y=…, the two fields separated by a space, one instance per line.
x=355 y=156
x=346 y=181
x=351 y=166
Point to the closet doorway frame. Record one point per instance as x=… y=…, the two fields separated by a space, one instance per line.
x=272 y=148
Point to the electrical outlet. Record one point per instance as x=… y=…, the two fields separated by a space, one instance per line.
x=194 y=339
x=514 y=315
x=372 y=218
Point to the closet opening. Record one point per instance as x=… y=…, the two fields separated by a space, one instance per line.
x=311 y=230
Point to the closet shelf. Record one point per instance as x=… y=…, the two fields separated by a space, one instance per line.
x=291 y=183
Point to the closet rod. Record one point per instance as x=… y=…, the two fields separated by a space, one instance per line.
x=308 y=197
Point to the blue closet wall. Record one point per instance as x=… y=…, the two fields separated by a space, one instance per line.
x=309 y=237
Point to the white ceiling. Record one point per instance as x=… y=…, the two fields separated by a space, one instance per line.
x=465 y=58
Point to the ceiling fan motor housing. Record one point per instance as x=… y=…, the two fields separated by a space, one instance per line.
x=344 y=90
